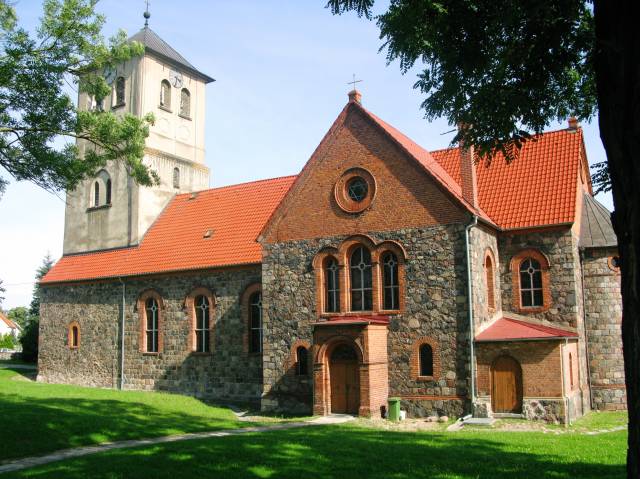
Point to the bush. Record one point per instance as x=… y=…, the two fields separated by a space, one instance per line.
x=29 y=341
x=7 y=341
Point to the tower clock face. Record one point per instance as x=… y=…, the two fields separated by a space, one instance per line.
x=176 y=79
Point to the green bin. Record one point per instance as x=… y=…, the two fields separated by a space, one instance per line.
x=394 y=409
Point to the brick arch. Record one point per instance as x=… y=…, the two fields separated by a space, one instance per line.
x=73 y=324
x=390 y=245
x=514 y=266
x=189 y=304
x=349 y=244
x=293 y=356
x=323 y=354
x=142 y=316
x=415 y=359
x=244 y=312
x=490 y=279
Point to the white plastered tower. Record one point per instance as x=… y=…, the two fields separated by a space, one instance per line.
x=164 y=83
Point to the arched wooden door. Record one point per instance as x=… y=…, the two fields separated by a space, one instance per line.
x=344 y=378
x=506 y=385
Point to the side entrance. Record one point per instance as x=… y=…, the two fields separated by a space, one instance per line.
x=344 y=378
x=506 y=385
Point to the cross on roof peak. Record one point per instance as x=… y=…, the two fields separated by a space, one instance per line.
x=354 y=81
x=146 y=14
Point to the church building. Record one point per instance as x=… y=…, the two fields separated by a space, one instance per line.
x=380 y=270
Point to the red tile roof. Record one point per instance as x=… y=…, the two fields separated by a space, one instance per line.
x=7 y=321
x=508 y=329
x=350 y=320
x=539 y=188
x=176 y=241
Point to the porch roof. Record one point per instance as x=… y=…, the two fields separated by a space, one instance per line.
x=354 y=320
x=509 y=329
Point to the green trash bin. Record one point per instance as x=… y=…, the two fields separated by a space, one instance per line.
x=394 y=409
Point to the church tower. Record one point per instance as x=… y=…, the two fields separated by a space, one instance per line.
x=111 y=210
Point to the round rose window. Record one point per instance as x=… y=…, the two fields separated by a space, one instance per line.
x=357 y=189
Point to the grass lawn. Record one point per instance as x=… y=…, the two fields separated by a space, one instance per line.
x=39 y=418
x=348 y=450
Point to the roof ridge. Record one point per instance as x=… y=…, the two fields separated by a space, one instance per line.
x=235 y=185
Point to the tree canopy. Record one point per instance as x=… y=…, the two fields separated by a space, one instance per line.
x=36 y=71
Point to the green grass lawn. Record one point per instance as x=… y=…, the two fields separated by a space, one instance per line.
x=348 y=451
x=39 y=418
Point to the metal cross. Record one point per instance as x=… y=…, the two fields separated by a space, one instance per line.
x=354 y=81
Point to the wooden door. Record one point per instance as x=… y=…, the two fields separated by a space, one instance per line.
x=506 y=386
x=345 y=382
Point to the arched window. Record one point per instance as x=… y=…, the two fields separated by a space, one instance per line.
x=151 y=325
x=361 y=280
x=120 y=88
x=426 y=360
x=390 y=284
x=176 y=177
x=202 y=329
x=530 y=283
x=185 y=103
x=255 y=322
x=489 y=278
x=96 y=194
x=332 y=285
x=74 y=335
x=108 y=192
x=165 y=94
x=302 y=362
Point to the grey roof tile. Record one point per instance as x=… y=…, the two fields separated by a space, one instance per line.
x=596 y=229
x=154 y=44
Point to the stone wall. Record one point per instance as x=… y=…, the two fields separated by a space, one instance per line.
x=435 y=307
x=482 y=240
x=228 y=373
x=603 y=313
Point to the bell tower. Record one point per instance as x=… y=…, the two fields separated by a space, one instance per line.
x=110 y=210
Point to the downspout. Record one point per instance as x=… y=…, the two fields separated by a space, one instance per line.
x=565 y=399
x=467 y=230
x=586 y=330
x=124 y=290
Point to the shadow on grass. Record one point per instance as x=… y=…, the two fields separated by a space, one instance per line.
x=355 y=452
x=34 y=426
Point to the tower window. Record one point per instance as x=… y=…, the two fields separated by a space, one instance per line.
x=120 y=88
x=165 y=94
x=185 y=103
x=108 y=192
x=176 y=177
x=96 y=194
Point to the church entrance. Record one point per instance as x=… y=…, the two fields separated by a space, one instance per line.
x=344 y=378
x=506 y=386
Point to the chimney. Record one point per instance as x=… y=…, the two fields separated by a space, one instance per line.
x=573 y=123
x=468 y=172
x=355 y=96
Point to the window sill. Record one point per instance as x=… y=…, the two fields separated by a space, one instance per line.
x=99 y=207
x=162 y=107
x=185 y=117
x=74 y=348
x=390 y=312
x=426 y=378
x=118 y=106
x=532 y=309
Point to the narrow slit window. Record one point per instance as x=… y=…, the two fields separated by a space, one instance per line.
x=391 y=285
x=255 y=322
x=151 y=326
x=120 y=89
x=302 y=361
x=488 y=268
x=332 y=286
x=74 y=337
x=176 y=177
x=96 y=194
x=202 y=330
x=185 y=103
x=108 y=192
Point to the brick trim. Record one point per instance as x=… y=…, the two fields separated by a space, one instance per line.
x=142 y=316
x=73 y=324
x=293 y=357
x=514 y=266
x=342 y=197
x=490 y=280
x=414 y=362
x=343 y=255
x=244 y=314
x=189 y=303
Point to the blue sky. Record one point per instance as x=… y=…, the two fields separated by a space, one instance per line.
x=281 y=70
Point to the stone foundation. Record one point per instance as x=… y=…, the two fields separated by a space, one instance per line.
x=549 y=410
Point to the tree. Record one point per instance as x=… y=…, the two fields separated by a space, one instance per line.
x=36 y=110
x=508 y=69
x=2 y=291
x=29 y=336
x=19 y=315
